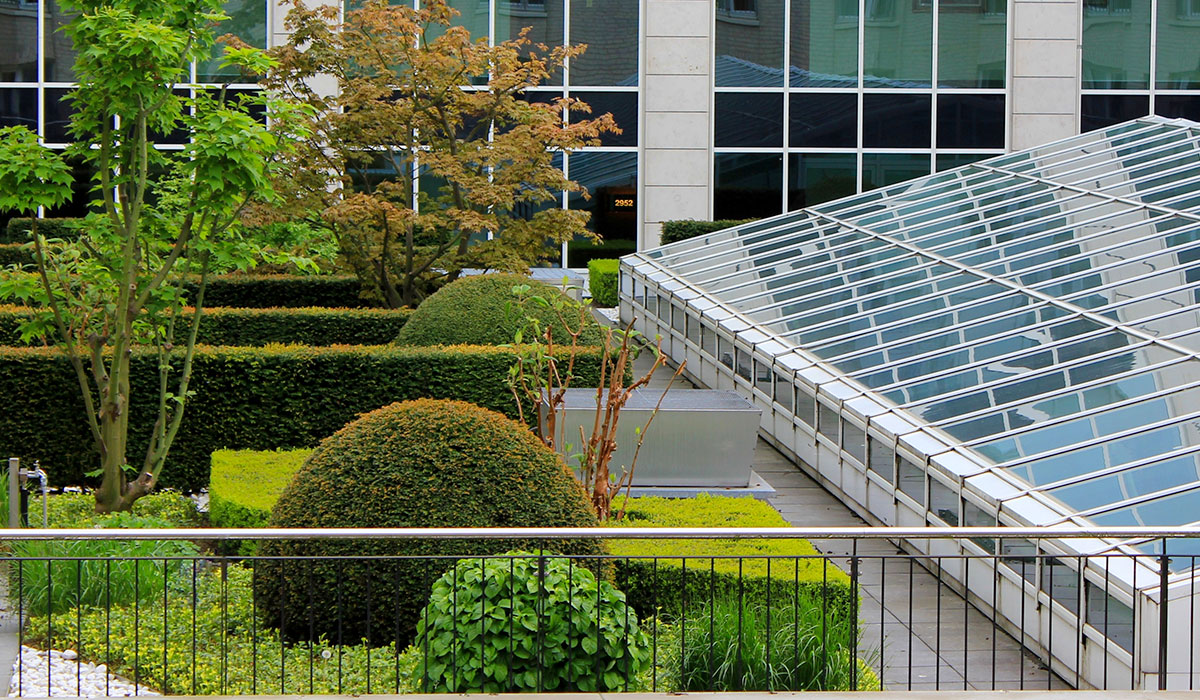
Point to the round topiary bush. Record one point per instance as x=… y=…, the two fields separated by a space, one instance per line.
x=425 y=463
x=482 y=310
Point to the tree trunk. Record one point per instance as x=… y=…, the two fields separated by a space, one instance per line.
x=114 y=429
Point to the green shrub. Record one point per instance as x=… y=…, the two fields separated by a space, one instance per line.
x=15 y=254
x=655 y=575
x=674 y=231
x=244 y=486
x=580 y=253
x=78 y=510
x=17 y=230
x=520 y=623
x=105 y=576
x=423 y=463
x=247 y=398
x=602 y=279
x=233 y=652
x=257 y=327
x=482 y=310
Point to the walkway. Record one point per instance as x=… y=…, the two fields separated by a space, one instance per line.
x=922 y=633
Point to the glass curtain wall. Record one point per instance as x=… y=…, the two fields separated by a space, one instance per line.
x=1140 y=57
x=819 y=99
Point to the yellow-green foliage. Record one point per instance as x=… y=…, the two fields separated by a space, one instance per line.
x=246 y=483
x=78 y=510
x=423 y=463
x=713 y=566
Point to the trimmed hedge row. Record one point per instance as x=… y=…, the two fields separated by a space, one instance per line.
x=659 y=579
x=675 y=231
x=15 y=254
x=602 y=281
x=257 y=327
x=260 y=398
x=17 y=230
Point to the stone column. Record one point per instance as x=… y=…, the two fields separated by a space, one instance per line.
x=1044 y=97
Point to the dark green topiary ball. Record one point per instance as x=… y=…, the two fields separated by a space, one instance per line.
x=482 y=310
x=424 y=463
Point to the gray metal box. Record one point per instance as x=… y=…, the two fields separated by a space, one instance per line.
x=699 y=438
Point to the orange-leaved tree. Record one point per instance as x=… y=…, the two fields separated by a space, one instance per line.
x=425 y=155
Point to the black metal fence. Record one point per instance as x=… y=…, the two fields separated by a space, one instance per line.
x=162 y=612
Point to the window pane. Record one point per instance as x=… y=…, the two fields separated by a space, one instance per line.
x=57 y=115
x=971 y=43
x=882 y=460
x=970 y=121
x=1178 y=45
x=611 y=182
x=854 y=441
x=59 y=52
x=1100 y=111
x=610 y=30
x=880 y=169
x=1109 y=615
x=1116 y=44
x=820 y=177
x=911 y=480
x=949 y=161
x=898 y=43
x=823 y=120
x=545 y=20
x=896 y=121
x=623 y=106
x=749 y=43
x=824 y=51
x=806 y=407
x=827 y=421
x=248 y=22
x=943 y=502
x=1061 y=582
x=784 y=391
x=744 y=119
x=747 y=185
x=18 y=107
x=1186 y=106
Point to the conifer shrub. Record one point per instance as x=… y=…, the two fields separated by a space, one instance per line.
x=482 y=310
x=424 y=463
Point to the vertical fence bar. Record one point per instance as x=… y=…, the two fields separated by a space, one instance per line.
x=79 y=628
x=1163 y=616
x=966 y=616
x=854 y=614
x=166 y=689
x=937 y=627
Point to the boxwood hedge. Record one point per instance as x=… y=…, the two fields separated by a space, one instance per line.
x=230 y=326
x=674 y=231
x=260 y=398
x=602 y=280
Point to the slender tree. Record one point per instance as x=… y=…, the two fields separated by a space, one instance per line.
x=163 y=223
x=426 y=154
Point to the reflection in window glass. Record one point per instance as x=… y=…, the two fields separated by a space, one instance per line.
x=897 y=44
x=744 y=367
x=806 y=407
x=814 y=178
x=896 y=121
x=708 y=341
x=827 y=422
x=882 y=460
x=610 y=30
x=611 y=182
x=748 y=120
x=248 y=22
x=545 y=19
x=1186 y=106
x=747 y=186
x=970 y=121
x=693 y=329
x=971 y=43
x=822 y=120
x=943 y=502
x=949 y=161
x=824 y=50
x=1116 y=44
x=724 y=352
x=1061 y=582
x=911 y=480
x=1021 y=557
x=784 y=391
x=882 y=169
x=749 y=43
x=763 y=378
x=1113 y=618
x=623 y=106
x=18 y=107
x=57 y=115
x=1178 y=40
x=58 y=52
x=678 y=318
x=854 y=441
x=1100 y=111
x=974 y=516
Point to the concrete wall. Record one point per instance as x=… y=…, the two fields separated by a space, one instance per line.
x=1044 y=95
x=676 y=142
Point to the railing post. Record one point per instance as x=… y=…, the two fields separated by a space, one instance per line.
x=1163 y=617
x=14 y=492
x=854 y=614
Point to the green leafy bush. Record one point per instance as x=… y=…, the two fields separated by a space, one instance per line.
x=602 y=279
x=673 y=574
x=244 y=487
x=674 y=231
x=423 y=463
x=107 y=573
x=257 y=327
x=234 y=653
x=78 y=510
x=482 y=310
x=247 y=398
x=524 y=623
x=15 y=254
x=580 y=253
x=17 y=230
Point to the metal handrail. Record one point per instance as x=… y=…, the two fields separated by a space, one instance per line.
x=622 y=533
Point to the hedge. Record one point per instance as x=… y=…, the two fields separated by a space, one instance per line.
x=15 y=254
x=246 y=398
x=655 y=576
x=675 y=231
x=256 y=327
x=602 y=280
x=17 y=230
x=580 y=253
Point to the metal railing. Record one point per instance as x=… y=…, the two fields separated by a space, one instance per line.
x=903 y=608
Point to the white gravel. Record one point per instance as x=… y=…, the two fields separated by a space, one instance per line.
x=65 y=668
